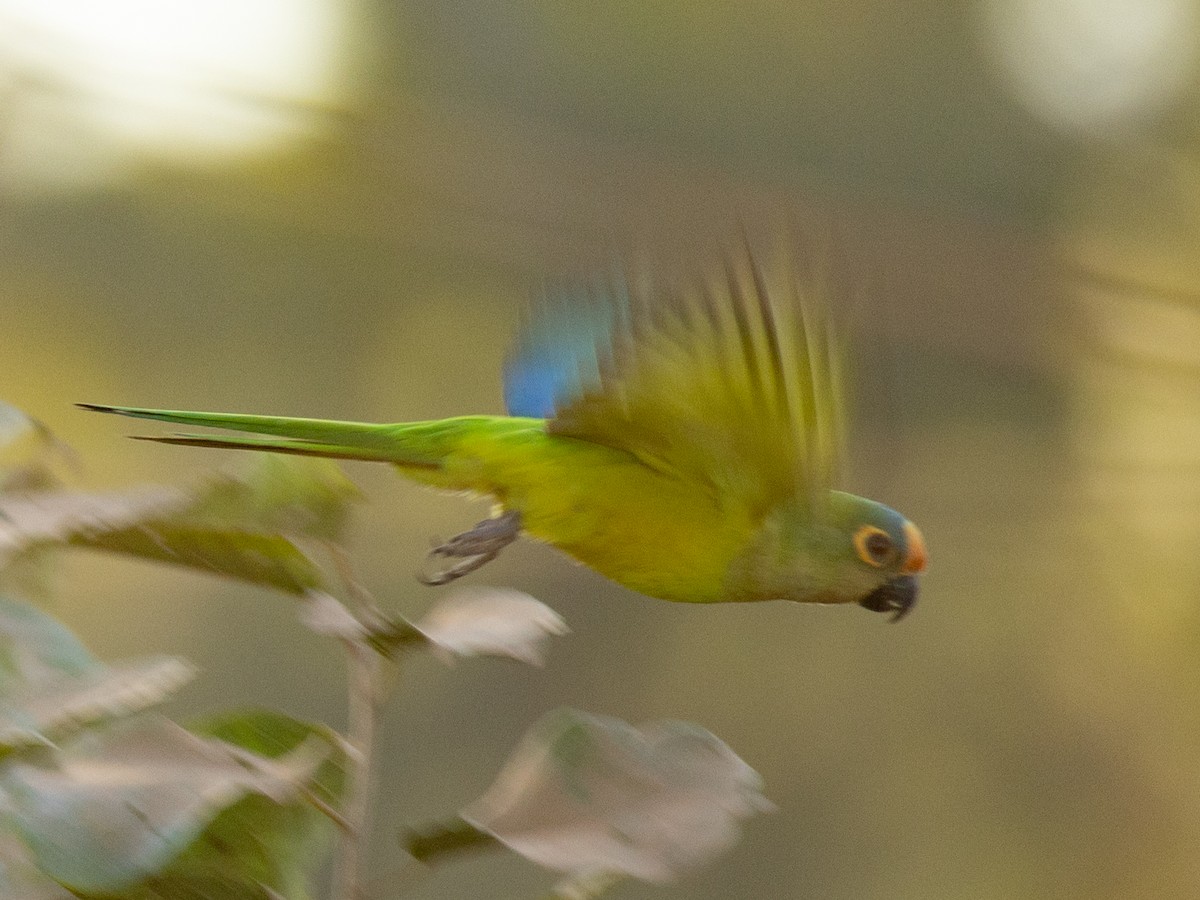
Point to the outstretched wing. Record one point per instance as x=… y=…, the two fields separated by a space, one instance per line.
x=731 y=382
x=566 y=334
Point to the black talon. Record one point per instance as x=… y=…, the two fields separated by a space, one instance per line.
x=458 y=570
x=474 y=548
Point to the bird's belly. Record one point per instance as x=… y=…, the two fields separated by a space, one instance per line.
x=653 y=534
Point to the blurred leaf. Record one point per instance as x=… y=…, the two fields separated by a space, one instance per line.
x=585 y=887
x=258 y=843
x=14 y=425
x=242 y=526
x=280 y=495
x=50 y=686
x=50 y=710
x=591 y=795
x=325 y=615
x=27 y=452
x=491 y=621
x=31 y=575
x=437 y=841
x=20 y=878
x=152 y=810
x=269 y=560
x=35 y=646
x=149 y=523
x=41 y=518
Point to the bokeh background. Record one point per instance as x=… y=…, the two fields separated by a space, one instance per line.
x=336 y=208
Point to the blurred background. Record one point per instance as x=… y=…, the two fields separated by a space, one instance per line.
x=336 y=208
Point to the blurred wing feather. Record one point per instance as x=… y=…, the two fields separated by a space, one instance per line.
x=732 y=384
x=563 y=340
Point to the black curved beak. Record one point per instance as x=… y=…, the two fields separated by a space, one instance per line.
x=896 y=596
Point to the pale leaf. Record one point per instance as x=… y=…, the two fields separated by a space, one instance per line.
x=244 y=527
x=116 y=808
x=28 y=451
x=592 y=795
x=326 y=615
x=14 y=425
x=51 y=708
x=46 y=517
x=20 y=878
x=35 y=646
x=491 y=621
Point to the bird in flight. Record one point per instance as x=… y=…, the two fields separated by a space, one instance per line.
x=681 y=439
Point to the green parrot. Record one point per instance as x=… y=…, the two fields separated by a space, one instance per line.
x=681 y=440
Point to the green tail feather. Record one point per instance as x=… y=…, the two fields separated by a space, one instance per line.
x=450 y=453
x=323 y=430
x=307 y=437
x=286 y=445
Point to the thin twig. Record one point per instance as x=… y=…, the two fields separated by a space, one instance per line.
x=365 y=669
x=363 y=602
x=365 y=666
x=325 y=809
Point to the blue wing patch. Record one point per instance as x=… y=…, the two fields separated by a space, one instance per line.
x=558 y=353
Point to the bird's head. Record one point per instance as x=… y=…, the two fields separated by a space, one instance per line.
x=885 y=544
x=857 y=551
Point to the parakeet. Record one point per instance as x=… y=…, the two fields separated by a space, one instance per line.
x=681 y=440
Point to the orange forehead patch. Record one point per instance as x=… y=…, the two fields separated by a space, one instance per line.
x=917 y=556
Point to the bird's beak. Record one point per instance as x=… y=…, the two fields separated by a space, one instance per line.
x=896 y=596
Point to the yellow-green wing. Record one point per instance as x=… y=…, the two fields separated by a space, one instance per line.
x=731 y=382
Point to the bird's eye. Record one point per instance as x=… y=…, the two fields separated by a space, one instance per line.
x=873 y=546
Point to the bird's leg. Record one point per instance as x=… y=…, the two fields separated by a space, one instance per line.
x=474 y=548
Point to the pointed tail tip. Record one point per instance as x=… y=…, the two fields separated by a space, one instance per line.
x=96 y=407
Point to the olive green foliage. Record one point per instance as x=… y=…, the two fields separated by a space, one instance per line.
x=105 y=798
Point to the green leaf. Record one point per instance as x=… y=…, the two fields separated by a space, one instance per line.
x=269 y=560
x=242 y=527
x=30 y=521
x=258 y=845
x=150 y=523
x=280 y=495
x=442 y=839
x=150 y=810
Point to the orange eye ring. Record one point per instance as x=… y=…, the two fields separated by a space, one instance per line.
x=874 y=546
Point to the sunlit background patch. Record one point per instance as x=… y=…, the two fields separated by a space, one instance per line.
x=88 y=87
x=1095 y=64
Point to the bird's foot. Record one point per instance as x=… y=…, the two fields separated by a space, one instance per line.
x=474 y=548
